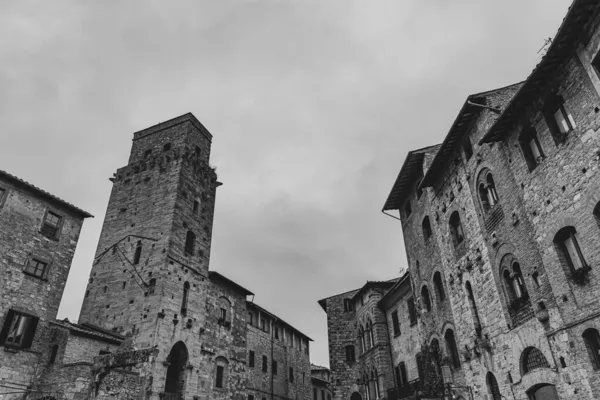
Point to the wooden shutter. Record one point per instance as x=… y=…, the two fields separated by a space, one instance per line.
x=7 y=321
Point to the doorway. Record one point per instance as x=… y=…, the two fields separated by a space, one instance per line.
x=175 y=382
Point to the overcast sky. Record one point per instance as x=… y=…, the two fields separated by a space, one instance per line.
x=313 y=105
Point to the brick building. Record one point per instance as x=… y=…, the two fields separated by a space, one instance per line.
x=501 y=224
x=37 y=243
x=321 y=382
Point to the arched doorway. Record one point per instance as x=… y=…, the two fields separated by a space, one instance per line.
x=355 y=396
x=543 y=392
x=493 y=389
x=175 y=382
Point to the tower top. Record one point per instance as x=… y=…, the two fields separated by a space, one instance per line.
x=187 y=117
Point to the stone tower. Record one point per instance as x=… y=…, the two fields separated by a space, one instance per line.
x=149 y=278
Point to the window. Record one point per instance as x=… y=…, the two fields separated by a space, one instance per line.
x=403 y=376
x=250 y=397
x=493 y=389
x=426 y=227
x=426 y=298
x=513 y=281
x=184 y=298
x=221 y=372
x=167 y=147
x=439 y=286
x=224 y=315
x=568 y=250
x=53 y=353
x=531 y=148
x=263 y=325
x=361 y=334
x=395 y=323
x=18 y=330
x=532 y=358
x=265 y=366
x=412 y=311
x=51 y=225
x=197 y=151
x=250 y=318
x=251 y=359
x=407 y=208
x=36 y=268
x=274 y=367
x=147 y=153
x=138 y=253
x=348 y=305
x=151 y=286
x=190 y=243
x=474 y=312
x=592 y=342
x=559 y=120
x=456 y=230
x=451 y=347
x=196 y=206
x=276 y=332
x=488 y=196
x=467 y=148
x=370 y=338
x=350 y=356
x=291 y=374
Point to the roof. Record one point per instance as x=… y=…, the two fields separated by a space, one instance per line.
x=563 y=45
x=394 y=288
x=314 y=367
x=90 y=331
x=262 y=310
x=413 y=164
x=187 y=117
x=375 y=284
x=318 y=381
x=217 y=276
x=323 y=302
x=42 y=193
x=471 y=107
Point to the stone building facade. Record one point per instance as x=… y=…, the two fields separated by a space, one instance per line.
x=37 y=242
x=321 y=382
x=501 y=223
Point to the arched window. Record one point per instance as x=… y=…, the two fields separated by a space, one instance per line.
x=451 y=347
x=138 y=253
x=456 y=230
x=368 y=342
x=375 y=380
x=473 y=306
x=184 y=299
x=439 y=286
x=592 y=342
x=221 y=374
x=371 y=337
x=190 y=243
x=426 y=227
x=224 y=312
x=568 y=250
x=151 y=286
x=532 y=358
x=426 y=298
x=488 y=196
x=493 y=389
x=367 y=382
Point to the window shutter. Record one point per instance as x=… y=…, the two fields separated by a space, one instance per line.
x=30 y=333
x=9 y=317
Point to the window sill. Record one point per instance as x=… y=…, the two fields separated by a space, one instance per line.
x=9 y=348
x=40 y=278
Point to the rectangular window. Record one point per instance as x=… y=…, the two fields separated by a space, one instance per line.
x=395 y=323
x=531 y=148
x=291 y=374
x=251 y=359
x=348 y=305
x=559 y=120
x=18 y=330
x=276 y=332
x=51 y=225
x=196 y=206
x=265 y=366
x=274 y=367
x=36 y=268
x=223 y=314
x=219 y=382
x=412 y=311
x=250 y=318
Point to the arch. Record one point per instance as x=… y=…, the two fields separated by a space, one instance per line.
x=492 y=385
x=178 y=361
x=356 y=396
x=591 y=339
x=568 y=250
x=190 y=243
x=221 y=372
x=452 y=348
x=532 y=358
x=426 y=228
x=456 y=229
x=439 y=286
x=474 y=312
x=426 y=298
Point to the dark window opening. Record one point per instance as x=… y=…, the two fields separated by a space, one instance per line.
x=265 y=364
x=493 y=388
x=18 y=330
x=53 y=353
x=167 y=147
x=291 y=374
x=531 y=148
x=456 y=229
x=151 y=286
x=395 y=323
x=51 y=225
x=348 y=305
x=488 y=196
x=452 y=349
x=274 y=367
x=568 y=250
x=196 y=206
x=147 y=153
x=184 y=299
x=36 y=268
x=220 y=373
x=597 y=214
x=592 y=342
x=532 y=358
x=426 y=298
x=251 y=359
x=412 y=311
x=138 y=253
x=426 y=227
x=190 y=243
x=558 y=118
x=350 y=356
x=439 y=286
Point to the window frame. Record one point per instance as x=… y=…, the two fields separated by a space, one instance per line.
x=592 y=348
x=45 y=226
x=30 y=322
x=395 y=323
x=530 y=134
x=412 y=310
x=556 y=104
x=560 y=239
x=41 y=260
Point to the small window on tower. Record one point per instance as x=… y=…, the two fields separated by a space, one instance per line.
x=190 y=243
x=147 y=153
x=196 y=206
x=167 y=147
x=36 y=268
x=198 y=151
x=138 y=253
